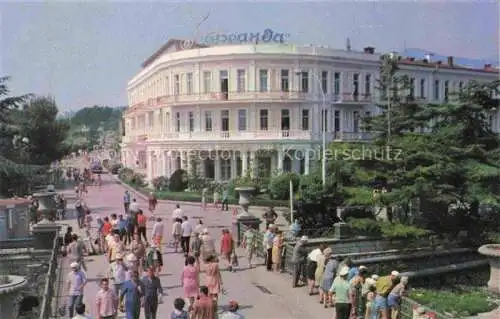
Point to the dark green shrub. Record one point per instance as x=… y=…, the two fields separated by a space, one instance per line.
x=160 y=183
x=279 y=186
x=197 y=183
x=371 y=227
x=115 y=168
x=178 y=181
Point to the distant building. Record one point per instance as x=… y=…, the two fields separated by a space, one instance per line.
x=220 y=111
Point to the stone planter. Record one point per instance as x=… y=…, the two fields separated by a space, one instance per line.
x=245 y=194
x=8 y=295
x=492 y=251
x=47 y=204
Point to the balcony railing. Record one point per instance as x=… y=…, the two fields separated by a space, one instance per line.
x=233 y=135
x=352 y=136
x=255 y=96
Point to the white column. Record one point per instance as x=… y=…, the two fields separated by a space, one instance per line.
x=183 y=160
x=253 y=164
x=280 y=161
x=233 y=165
x=149 y=158
x=164 y=163
x=244 y=163
x=217 y=166
x=189 y=163
x=306 y=164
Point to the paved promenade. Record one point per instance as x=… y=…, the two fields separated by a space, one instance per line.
x=261 y=295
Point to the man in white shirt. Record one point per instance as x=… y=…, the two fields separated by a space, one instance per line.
x=177 y=214
x=187 y=229
x=232 y=311
x=134 y=206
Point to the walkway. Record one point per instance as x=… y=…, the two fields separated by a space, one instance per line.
x=261 y=295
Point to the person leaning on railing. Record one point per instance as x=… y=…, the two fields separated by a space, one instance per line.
x=384 y=286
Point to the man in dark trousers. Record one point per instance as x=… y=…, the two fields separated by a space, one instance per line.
x=299 y=259
x=152 y=294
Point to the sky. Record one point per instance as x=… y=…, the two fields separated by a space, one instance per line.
x=84 y=53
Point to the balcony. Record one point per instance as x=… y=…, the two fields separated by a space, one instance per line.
x=260 y=135
x=352 y=136
x=255 y=96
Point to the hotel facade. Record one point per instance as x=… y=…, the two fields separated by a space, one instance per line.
x=222 y=111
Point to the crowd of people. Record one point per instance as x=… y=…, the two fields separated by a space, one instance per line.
x=132 y=284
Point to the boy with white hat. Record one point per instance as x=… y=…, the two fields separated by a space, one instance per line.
x=75 y=283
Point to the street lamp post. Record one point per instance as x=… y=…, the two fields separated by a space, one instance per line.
x=392 y=57
x=323 y=124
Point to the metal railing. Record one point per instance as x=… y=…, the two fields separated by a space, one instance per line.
x=50 y=287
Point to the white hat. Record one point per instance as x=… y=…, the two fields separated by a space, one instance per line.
x=304 y=238
x=131 y=257
x=370 y=281
x=362 y=267
x=395 y=273
x=375 y=277
x=205 y=231
x=74 y=265
x=153 y=245
x=344 y=271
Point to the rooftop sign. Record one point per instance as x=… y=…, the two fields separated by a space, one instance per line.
x=267 y=36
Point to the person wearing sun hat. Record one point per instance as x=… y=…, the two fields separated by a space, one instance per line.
x=340 y=288
x=75 y=284
x=384 y=286
x=299 y=260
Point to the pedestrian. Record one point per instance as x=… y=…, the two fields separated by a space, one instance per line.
x=114 y=222
x=340 y=289
x=80 y=312
x=213 y=277
x=76 y=250
x=268 y=245
x=119 y=273
x=126 y=202
x=190 y=280
x=249 y=243
x=199 y=227
x=187 y=229
x=141 y=225
x=226 y=247
x=270 y=216
x=299 y=257
x=138 y=249
x=177 y=233
x=80 y=212
x=311 y=265
x=207 y=245
x=157 y=233
x=134 y=206
x=232 y=311
x=130 y=229
x=205 y=307
x=116 y=248
x=130 y=296
x=153 y=292
x=225 y=200
x=177 y=214
x=132 y=264
x=122 y=228
x=106 y=301
x=154 y=258
x=75 y=284
x=152 y=202
x=179 y=312
x=195 y=248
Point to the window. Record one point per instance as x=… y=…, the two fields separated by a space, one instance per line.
x=412 y=87
x=225 y=169
x=241 y=83
x=324 y=120
x=207 y=82
x=355 y=126
x=285 y=120
x=177 y=85
x=305 y=120
x=337 y=121
x=336 y=83
x=189 y=83
x=263 y=114
x=224 y=116
x=368 y=84
x=285 y=80
x=422 y=88
x=446 y=90
x=208 y=121
x=167 y=85
x=461 y=85
x=304 y=81
x=436 y=90
x=191 y=121
x=263 y=81
x=324 y=81
x=224 y=83
x=368 y=114
x=242 y=120
x=355 y=86
x=178 y=121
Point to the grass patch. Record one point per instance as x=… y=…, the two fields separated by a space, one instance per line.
x=461 y=302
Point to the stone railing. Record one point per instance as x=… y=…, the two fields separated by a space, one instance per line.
x=50 y=287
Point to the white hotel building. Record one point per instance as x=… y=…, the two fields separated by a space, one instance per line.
x=213 y=110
